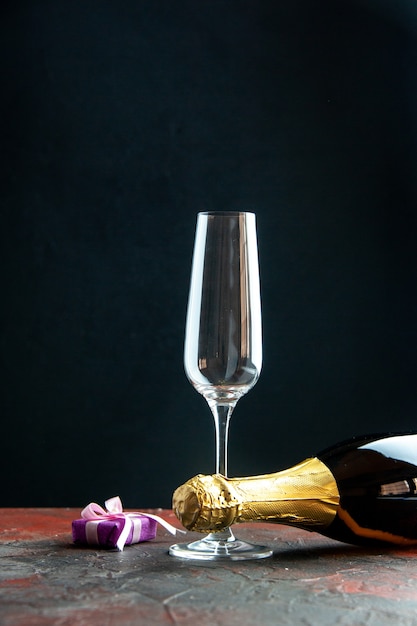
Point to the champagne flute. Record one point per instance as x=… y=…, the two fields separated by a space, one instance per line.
x=223 y=344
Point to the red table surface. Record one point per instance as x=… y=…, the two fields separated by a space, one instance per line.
x=45 y=579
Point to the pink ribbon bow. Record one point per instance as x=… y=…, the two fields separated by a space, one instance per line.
x=95 y=514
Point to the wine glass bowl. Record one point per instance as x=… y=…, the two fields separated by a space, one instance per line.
x=223 y=343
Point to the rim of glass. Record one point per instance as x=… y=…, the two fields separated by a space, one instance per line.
x=226 y=213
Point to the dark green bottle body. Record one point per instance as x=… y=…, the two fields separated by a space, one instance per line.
x=377 y=482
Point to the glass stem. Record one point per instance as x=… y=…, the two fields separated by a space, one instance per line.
x=222 y=414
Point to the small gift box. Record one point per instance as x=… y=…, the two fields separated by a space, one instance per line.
x=112 y=528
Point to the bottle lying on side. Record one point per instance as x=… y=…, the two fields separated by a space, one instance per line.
x=363 y=491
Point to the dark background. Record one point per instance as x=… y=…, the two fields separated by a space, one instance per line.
x=120 y=120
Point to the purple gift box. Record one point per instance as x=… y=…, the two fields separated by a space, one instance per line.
x=112 y=528
x=107 y=532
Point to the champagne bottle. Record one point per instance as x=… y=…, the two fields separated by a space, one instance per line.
x=363 y=491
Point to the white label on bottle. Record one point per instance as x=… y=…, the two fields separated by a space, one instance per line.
x=402 y=448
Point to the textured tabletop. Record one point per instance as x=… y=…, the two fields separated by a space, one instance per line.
x=45 y=579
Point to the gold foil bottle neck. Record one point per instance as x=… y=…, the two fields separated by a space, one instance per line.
x=305 y=495
x=206 y=503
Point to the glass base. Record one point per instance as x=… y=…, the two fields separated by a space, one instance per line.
x=219 y=546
